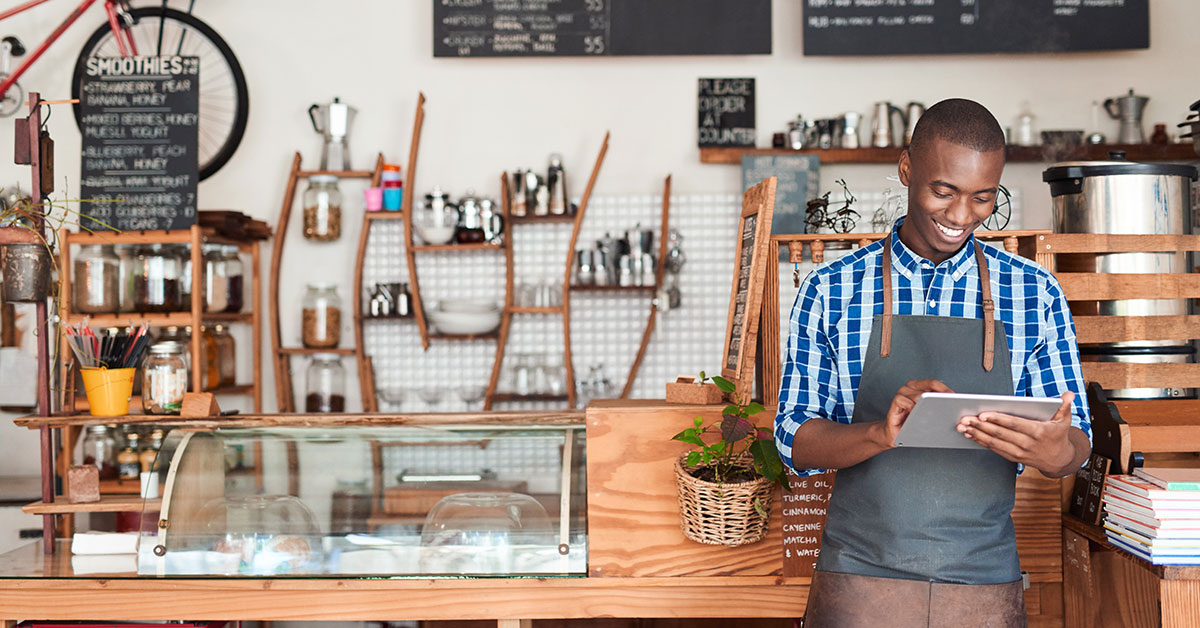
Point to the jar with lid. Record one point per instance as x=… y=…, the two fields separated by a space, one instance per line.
x=97 y=280
x=126 y=258
x=210 y=374
x=226 y=356
x=321 y=324
x=128 y=464
x=185 y=276
x=325 y=384
x=150 y=450
x=322 y=209
x=350 y=508
x=183 y=336
x=164 y=378
x=100 y=449
x=216 y=280
x=156 y=279
x=235 y=272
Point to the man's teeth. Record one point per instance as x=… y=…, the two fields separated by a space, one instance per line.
x=953 y=233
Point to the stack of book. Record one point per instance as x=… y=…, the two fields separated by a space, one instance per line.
x=1155 y=514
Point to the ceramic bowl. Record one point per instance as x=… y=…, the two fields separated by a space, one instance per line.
x=465 y=322
x=435 y=235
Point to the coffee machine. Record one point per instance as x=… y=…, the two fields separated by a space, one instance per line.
x=333 y=120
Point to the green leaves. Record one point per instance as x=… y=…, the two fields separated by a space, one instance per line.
x=759 y=508
x=766 y=459
x=753 y=408
x=725 y=385
x=693 y=459
x=690 y=436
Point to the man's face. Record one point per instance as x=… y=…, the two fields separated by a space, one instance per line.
x=951 y=191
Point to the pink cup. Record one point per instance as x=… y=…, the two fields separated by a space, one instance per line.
x=374 y=199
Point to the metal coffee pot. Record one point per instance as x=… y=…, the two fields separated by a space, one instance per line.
x=882 y=130
x=490 y=221
x=850 y=122
x=470 y=219
x=1128 y=109
x=912 y=113
x=333 y=120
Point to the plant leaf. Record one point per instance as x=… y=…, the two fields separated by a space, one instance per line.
x=697 y=421
x=735 y=428
x=691 y=436
x=758 y=507
x=764 y=434
x=725 y=385
x=766 y=459
x=754 y=408
x=731 y=409
x=693 y=459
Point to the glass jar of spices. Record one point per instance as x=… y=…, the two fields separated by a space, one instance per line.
x=211 y=375
x=164 y=379
x=321 y=324
x=325 y=384
x=322 y=209
x=226 y=356
x=216 y=280
x=97 y=280
x=156 y=279
x=100 y=449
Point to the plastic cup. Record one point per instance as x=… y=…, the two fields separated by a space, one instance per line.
x=374 y=199
x=392 y=198
x=108 y=390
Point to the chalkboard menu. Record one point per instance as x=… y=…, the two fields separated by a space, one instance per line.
x=139 y=156
x=798 y=179
x=749 y=277
x=898 y=27
x=540 y=28
x=804 y=510
x=726 y=111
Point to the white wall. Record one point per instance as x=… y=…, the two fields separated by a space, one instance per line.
x=486 y=115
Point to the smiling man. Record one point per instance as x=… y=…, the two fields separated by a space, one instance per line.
x=924 y=537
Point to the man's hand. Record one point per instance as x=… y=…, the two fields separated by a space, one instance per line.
x=1048 y=446
x=902 y=404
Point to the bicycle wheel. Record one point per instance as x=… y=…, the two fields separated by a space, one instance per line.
x=814 y=219
x=843 y=224
x=224 y=99
x=1001 y=213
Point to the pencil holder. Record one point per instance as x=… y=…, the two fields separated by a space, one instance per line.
x=108 y=390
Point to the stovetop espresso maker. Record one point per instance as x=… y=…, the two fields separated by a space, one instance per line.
x=333 y=120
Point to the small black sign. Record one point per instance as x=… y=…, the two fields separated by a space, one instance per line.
x=799 y=179
x=726 y=112
x=139 y=157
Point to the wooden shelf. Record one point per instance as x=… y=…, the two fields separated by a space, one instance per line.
x=479 y=246
x=154 y=236
x=633 y=289
x=552 y=218
x=514 y=397
x=107 y=503
x=307 y=351
x=491 y=335
x=1013 y=154
x=167 y=319
x=534 y=310
x=341 y=174
x=384 y=214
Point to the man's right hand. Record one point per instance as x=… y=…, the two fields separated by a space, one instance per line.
x=885 y=431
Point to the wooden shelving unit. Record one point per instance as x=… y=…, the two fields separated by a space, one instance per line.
x=480 y=246
x=1013 y=154
x=547 y=219
x=107 y=503
x=634 y=289
x=491 y=335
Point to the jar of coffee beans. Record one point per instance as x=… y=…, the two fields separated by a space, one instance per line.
x=322 y=209
x=321 y=325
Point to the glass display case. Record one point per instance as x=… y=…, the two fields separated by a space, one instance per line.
x=396 y=500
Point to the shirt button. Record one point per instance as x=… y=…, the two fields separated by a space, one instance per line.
x=932 y=303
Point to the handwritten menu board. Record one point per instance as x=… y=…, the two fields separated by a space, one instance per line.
x=799 y=179
x=540 y=28
x=725 y=108
x=139 y=156
x=897 y=27
x=749 y=277
x=741 y=292
x=804 y=511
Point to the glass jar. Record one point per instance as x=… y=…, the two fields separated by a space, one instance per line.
x=322 y=209
x=226 y=356
x=126 y=258
x=351 y=506
x=235 y=271
x=182 y=335
x=185 y=275
x=556 y=375
x=164 y=379
x=321 y=324
x=211 y=375
x=522 y=374
x=100 y=449
x=97 y=280
x=128 y=462
x=216 y=280
x=325 y=384
x=156 y=279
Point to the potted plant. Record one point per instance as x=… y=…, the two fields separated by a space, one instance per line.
x=693 y=391
x=726 y=484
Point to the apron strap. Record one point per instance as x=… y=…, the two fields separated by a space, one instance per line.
x=985 y=285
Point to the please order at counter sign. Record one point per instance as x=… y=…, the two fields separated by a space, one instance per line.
x=726 y=112
x=139 y=161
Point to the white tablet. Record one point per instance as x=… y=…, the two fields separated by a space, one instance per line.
x=934 y=420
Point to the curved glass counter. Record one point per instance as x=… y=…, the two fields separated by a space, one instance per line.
x=394 y=500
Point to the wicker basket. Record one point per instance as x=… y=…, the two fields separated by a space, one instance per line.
x=721 y=514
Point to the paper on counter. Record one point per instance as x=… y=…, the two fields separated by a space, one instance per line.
x=104 y=563
x=92 y=543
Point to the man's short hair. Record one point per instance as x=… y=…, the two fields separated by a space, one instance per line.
x=960 y=121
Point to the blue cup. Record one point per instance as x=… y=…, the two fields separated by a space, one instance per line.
x=392 y=198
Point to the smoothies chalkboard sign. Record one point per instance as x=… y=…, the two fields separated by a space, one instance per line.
x=585 y=28
x=139 y=156
x=746 y=297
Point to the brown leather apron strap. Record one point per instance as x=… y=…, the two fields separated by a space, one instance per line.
x=885 y=333
x=985 y=284
x=989 y=327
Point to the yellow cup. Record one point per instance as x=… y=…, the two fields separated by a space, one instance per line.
x=108 y=390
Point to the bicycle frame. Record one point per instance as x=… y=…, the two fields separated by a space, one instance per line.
x=124 y=39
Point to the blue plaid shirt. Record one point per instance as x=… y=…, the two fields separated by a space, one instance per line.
x=830 y=325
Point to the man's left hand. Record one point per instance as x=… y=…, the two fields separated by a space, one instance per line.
x=1044 y=445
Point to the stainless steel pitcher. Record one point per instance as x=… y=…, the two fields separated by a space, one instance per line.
x=881 y=126
x=333 y=120
x=1128 y=109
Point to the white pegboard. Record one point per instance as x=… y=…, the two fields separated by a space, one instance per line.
x=606 y=327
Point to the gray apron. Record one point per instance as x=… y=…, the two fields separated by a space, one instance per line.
x=934 y=523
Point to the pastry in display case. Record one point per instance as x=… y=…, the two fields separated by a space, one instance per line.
x=399 y=500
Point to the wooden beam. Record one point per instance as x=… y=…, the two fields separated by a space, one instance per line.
x=1115 y=243
x=1092 y=329
x=1118 y=286
x=1114 y=375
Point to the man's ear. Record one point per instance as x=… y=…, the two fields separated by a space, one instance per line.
x=904 y=167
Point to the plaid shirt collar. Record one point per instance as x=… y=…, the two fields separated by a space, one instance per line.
x=906 y=262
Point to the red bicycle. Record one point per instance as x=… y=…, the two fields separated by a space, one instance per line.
x=156 y=31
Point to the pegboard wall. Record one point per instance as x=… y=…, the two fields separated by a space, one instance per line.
x=606 y=327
